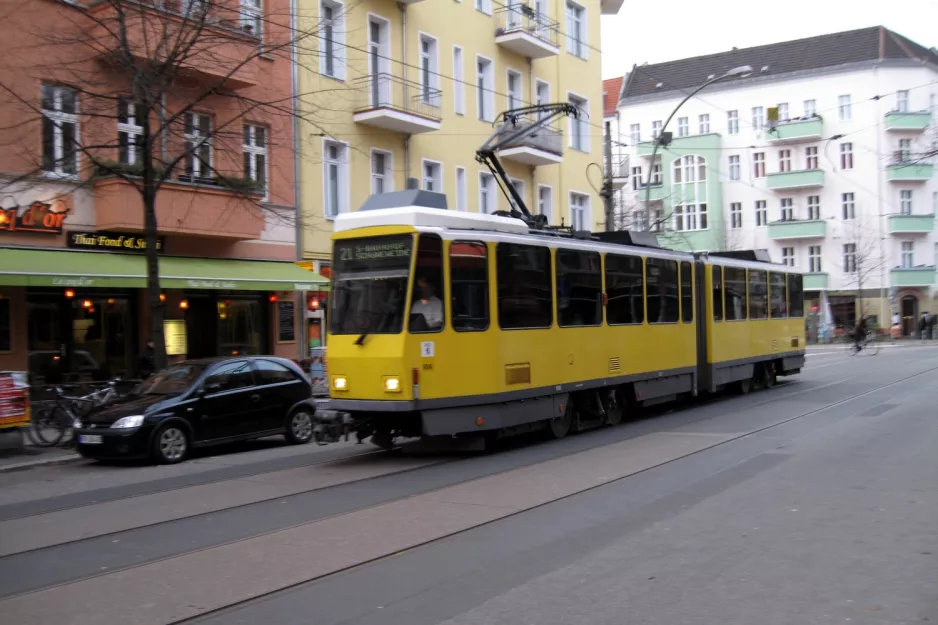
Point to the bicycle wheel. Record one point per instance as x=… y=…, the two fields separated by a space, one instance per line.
x=871 y=348
x=48 y=426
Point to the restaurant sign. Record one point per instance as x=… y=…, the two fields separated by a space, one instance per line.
x=43 y=217
x=112 y=241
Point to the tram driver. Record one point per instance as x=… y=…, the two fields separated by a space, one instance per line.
x=428 y=305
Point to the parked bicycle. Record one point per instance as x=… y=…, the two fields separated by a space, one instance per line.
x=53 y=423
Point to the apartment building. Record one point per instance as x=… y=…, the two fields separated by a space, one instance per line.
x=402 y=90
x=822 y=152
x=72 y=276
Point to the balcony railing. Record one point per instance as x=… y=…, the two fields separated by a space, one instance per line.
x=548 y=138
x=908 y=167
x=517 y=17
x=386 y=91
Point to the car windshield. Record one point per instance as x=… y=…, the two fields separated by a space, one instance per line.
x=172 y=381
x=370 y=285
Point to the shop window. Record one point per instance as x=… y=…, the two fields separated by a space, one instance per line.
x=777 y=295
x=687 y=293
x=469 y=285
x=426 y=311
x=734 y=284
x=525 y=293
x=624 y=281
x=795 y=295
x=662 y=291
x=579 y=289
x=758 y=296
x=269 y=372
x=716 y=277
x=6 y=325
x=241 y=327
x=230 y=377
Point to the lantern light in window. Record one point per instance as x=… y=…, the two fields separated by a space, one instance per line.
x=86 y=303
x=184 y=304
x=110 y=301
x=69 y=293
x=162 y=297
x=272 y=298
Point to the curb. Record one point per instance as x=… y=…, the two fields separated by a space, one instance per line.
x=38 y=462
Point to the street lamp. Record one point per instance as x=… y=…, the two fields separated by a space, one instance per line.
x=742 y=71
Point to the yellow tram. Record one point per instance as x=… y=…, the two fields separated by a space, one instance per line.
x=454 y=323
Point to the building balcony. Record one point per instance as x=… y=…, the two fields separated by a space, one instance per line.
x=807 y=229
x=796 y=131
x=544 y=147
x=815 y=282
x=656 y=192
x=523 y=31
x=392 y=103
x=909 y=171
x=787 y=180
x=204 y=210
x=610 y=7
x=682 y=145
x=908 y=121
x=910 y=224
x=923 y=275
x=223 y=53
x=620 y=172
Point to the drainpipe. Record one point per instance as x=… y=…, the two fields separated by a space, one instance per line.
x=301 y=308
x=406 y=159
x=403 y=9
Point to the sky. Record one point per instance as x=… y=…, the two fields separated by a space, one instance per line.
x=656 y=31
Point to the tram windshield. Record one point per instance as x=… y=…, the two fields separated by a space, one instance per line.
x=370 y=284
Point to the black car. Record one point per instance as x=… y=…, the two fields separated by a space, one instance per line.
x=201 y=402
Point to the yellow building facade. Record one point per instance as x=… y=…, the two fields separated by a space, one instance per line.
x=396 y=90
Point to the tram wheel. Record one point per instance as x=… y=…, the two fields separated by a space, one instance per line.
x=559 y=427
x=768 y=375
x=614 y=406
x=744 y=386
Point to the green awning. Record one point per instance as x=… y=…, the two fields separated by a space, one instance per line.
x=31 y=267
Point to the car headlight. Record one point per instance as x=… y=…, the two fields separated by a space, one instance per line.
x=339 y=383
x=392 y=384
x=128 y=422
x=76 y=424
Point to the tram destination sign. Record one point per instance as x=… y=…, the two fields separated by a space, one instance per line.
x=373 y=253
x=111 y=241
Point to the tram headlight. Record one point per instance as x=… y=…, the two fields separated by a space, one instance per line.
x=340 y=383
x=392 y=384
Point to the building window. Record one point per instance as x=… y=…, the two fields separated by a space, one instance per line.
x=814 y=259
x=487 y=198
x=335 y=173
x=198 y=130
x=579 y=126
x=908 y=254
x=704 y=124
x=59 y=130
x=129 y=134
x=576 y=30
x=661 y=290
x=758 y=118
x=485 y=94
x=485 y=6
x=515 y=95
x=545 y=202
x=543 y=96
x=783 y=111
x=379 y=64
x=814 y=207
x=469 y=285
x=461 y=204
x=732 y=122
x=518 y=186
x=736 y=215
x=904 y=154
x=734 y=167
x=905 y=202
x=432 y=176
x=810 y=158
x=762 y=217
x=758 y=165
x=787 y=209
x=635 y=134
x=332 y=55
x=844 y=108
x=579 y=288
x=252 y=17
x=902 y=101
x=380 y=168
x=656 y=173
x=810 y=108
x=690 y=187
x=525 y=292
x=850 y=257
x=459 y=84
x=624 y=278
x=637 y=180
x=429 y=71
x=683 y=127
x=655 y=129
x=255 y=155
x=579 y=211
x=788 y=256
x=846 y=155
x=784 y=160
x=847 y=205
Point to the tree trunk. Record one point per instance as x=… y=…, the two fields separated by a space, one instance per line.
x=153 y=280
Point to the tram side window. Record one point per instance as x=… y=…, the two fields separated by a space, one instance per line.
x=687 y=293
x=662 y=293
x=795 y=295
x=734 y=285
x=579 y=289
x=469 y=286
x=758 y=295
x=426 y=311
x=525 y=293
x=777 y=295
x=716 y=273
x=624 y=288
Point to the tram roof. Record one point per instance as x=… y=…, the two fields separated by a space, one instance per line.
x=432 y=217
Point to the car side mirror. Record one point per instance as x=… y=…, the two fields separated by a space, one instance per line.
x=210 y=388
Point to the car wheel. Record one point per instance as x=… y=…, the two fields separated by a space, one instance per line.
x=171 y=444
x=299 y=427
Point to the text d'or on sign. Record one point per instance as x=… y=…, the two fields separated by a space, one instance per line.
x=43 y=217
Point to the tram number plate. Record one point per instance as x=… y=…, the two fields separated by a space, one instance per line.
x=90 y=439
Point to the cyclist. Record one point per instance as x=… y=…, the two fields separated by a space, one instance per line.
x=859 y=334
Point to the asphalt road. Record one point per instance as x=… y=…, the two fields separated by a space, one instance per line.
x=813 y=502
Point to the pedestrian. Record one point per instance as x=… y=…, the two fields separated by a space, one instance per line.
x=922 y=324
x=147 y=361
x=859 y=334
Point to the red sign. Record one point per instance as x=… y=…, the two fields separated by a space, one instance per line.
x=45 y=217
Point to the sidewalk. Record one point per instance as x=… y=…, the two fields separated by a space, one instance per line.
x=884 y=343
x=13 y=456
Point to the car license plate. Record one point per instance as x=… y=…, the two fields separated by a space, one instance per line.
x=90 y=439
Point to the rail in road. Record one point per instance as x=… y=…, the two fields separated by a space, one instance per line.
x=193 y=546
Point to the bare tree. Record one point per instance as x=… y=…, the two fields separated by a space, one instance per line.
x=862 y=257
x=125 y=90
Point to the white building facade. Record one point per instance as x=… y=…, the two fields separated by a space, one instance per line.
x=841 y=185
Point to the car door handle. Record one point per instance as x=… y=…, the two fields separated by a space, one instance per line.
x=255 y=397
